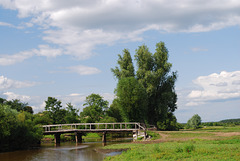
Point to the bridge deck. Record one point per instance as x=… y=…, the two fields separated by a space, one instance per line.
x=92 y=127
x=79 y=128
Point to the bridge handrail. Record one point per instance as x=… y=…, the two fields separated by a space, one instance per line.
x=47 y=128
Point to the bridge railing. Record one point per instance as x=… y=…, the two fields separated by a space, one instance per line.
x=95 y=126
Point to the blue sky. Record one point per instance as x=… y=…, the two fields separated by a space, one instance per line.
x=65 y=49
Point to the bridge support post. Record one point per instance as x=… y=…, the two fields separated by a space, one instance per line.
x=78 y=137
x=57 y=139
x=104 y=137
x=145 y=135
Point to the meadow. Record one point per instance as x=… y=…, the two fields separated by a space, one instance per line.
x=207 y=143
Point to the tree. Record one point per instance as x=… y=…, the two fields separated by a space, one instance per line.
x=131 y=98
x=71 y=115
x=153 y=74
x=17 y=129
x=155 y=77
x=54 y=107
x=28 y=109
x=194 y=122
x=43 y=118
x=95 y=108
x=17 y=105
x=114 y=111
x=126 y=66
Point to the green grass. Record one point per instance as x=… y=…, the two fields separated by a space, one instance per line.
x=191 y=150
x=154 y=135
x=204 y=145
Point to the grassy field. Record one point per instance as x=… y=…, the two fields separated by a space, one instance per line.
x=209 y=143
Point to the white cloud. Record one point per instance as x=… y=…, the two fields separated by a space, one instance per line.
x=16 y=58
x=77 y=27
x=6 y=84
x=84 y=70
x=43 y=50
x=11 y=96
x=6 y=24
x=215 y=87
x=46 y=50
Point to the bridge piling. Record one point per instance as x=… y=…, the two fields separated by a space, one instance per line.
x=57 y=139
x=78 y=137
x=104 y=137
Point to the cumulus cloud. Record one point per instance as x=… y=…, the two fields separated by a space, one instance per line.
x=215 y=87
x=77 y=27
x=11 y=96
x=6 y=84
x=83 y=70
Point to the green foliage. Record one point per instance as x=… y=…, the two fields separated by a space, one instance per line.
x=131 y=98
x=194 y=122
x=95 y=109
x=170 y=123
x=126 y=66
x=230 y=121
x=71 y=114
x=17 y=105
x=150 y=90
x=114 y=111
x=56 y=113
x=17 y=129
x=42 y=118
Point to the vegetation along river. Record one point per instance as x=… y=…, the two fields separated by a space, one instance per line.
x=67 y=151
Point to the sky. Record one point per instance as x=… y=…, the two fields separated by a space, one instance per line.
x=66 y=49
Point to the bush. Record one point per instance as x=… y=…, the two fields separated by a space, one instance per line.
x=194 y=122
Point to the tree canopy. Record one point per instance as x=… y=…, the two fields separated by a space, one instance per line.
x=194 y=122
x=95 y=108
x=153 y=78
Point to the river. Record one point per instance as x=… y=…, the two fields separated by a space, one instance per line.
x=68 y=151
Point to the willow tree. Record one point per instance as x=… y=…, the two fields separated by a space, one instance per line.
x=154 y=75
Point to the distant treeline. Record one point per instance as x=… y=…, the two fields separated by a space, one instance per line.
x=230 y=121
x=227 y=122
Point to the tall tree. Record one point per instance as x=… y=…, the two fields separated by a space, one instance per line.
x=153 y=74
x=126 y=68
x=155 y=77
x=131 y=98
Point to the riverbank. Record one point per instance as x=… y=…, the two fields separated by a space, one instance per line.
x=215 y=143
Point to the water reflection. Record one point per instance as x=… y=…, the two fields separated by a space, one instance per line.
x=64 y=152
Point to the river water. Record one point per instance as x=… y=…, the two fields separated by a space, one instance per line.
x=65 y=152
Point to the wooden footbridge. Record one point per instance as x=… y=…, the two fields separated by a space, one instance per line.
x=80 y=128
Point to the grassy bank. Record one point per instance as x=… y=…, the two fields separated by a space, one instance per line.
x=221 y=143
